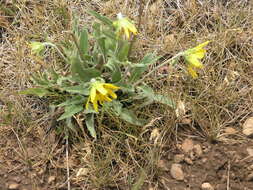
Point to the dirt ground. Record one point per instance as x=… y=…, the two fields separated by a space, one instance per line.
x=223 y=165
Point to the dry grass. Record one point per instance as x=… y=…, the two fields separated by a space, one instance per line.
x=125 y=157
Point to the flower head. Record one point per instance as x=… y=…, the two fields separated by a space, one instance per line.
x=101 y=92
x=37 y=47
x=124 y=26
x=193 y=57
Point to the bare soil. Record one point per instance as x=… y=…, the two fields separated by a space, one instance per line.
x=226 y=166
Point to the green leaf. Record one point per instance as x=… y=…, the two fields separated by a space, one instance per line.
x=124 y=113
x=138 y=69
x=149 y=59
x=82 y=74
x=101 y=43
x=151 y=96
x=39 y=80
x=123 y=51
x=116 y=75
x=53 y=75
x=79 y=89
x=90 y=125
x=71 y=126
x=130 y=117
x=75 y=25
x=70 y=111
x=103 y=19
x=164 y=100
x=35 y=91
x=84 y=44
x=72 y=101
x=113 y=65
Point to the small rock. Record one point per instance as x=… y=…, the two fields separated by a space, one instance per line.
x=51 y=179
x=188 y=160
x=178 y=158
x=250 y=151
x=207 y=186
x=186 y=121
x=204 y=160
x=192 y=155
x=187 y=145
x=177 y=172
x=198 y=150
x=230 y=130
x=248 y=127
x=206 y=148
x=162 y=164
x=14 y=186
x=250 y=167
x=17 y=179
x=249 y=177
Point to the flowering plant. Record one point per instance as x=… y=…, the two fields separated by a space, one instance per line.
x=97 y=71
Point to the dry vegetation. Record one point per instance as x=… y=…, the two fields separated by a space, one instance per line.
x=124 y=157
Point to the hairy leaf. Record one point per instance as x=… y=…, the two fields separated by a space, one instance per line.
x=35 y=91
x=70 y=111
x=90 y=125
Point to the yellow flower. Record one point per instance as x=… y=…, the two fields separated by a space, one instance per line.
x=101 y=92
x=124 y=26
x=193 y=57
x=37 y=47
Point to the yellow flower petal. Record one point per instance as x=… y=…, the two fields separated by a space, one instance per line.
x=112 y=94
x=132 y=28
x=192 y=72
x=92 y=94
x=200 y=54
x=101 y=92
x=87 y=103
x=95 y=104
x=193 y=61
x=200 y=46
x=124 y=26
x=111 y=86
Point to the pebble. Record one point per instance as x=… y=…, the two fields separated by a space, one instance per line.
x=250 y=167
x=198 y=150
x=13 y=186
x=248 y=127
x=230 y=130
x=188 y=161
x=51 y=179
x=249 y=177
x=177 y=172
x=178 y=158
x=204 y=160
x=207 y=186
x=250 y=151
x=162 y=164
x=187 y=145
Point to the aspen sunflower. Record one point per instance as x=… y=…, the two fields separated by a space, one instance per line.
x=124 y=26
x=193 y=57
x=101 y=92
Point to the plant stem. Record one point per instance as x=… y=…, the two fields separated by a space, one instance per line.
x=159 y=66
